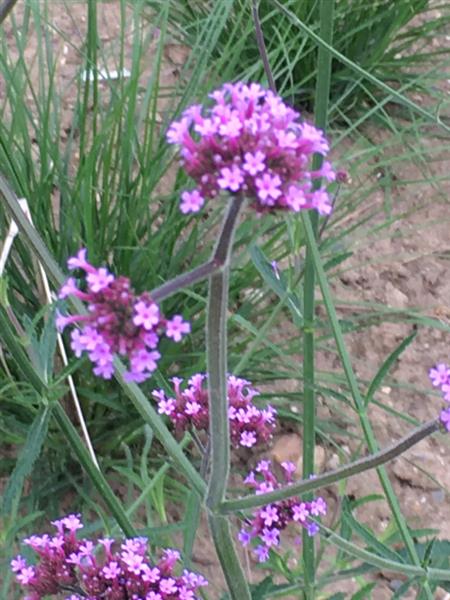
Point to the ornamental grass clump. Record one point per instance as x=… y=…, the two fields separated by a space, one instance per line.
x=117 y=321
x=188 y=409
x=249 y=142
x=109 y=570
x=270 y=520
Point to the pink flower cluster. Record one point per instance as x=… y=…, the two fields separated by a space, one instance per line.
x=80 y=568
x=440 y=377
x=269 y=521
x=118 y=321
x=250 y=142
x=188 y=408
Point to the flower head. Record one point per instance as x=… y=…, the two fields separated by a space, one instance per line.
x=188 y=407
x=117 y=322
x=99 y=571
x=249 y=142
x=269 y=521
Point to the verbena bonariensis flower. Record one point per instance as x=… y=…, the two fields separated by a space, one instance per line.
x=188 y=407
x=250 y=142
x=107 y=570
x=118 y=321
x=269 y=521
x=440 y=377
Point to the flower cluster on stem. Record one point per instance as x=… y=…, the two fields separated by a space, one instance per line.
x=82 y=568
x=118 y=321
x=188 y=408
x=269 y=521
x=250 y=142
x=440 y=377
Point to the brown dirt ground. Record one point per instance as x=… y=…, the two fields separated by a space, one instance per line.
x=418 y=278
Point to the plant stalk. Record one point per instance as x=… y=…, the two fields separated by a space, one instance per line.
x=354 y=468
x=219 y=432
x=309 y=402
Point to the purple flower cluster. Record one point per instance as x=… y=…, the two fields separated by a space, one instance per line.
x=269 y=521
x=250 y=142
x=118 y=322
x=82 y=569
x=440 y=377
x=249 y=425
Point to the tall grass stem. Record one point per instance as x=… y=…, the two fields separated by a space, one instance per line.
x=309 y=403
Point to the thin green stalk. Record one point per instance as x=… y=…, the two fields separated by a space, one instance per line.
x=216 y=341
x=216 y=346
x=231 y=565
x=354 y=468
x=385 y=563
x=357 y=398
x=309 y=402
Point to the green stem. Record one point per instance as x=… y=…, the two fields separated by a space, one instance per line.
x=384 y=563
x=216 y=342
x=358 y=466
x=216 y=345
x=309 y=403
x=357 y=398
x=223 y=541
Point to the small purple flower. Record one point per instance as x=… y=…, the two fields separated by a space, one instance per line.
x=191 y=202
x=18 y=564
x=146 y=315
x=244 y=537
x=248 y=439
x=99 y=280
x=112 y=570
x=271 y=537
x=231 y=178
x=176 y=328
x=312 y=529
x=262 y=553
x=269 y=514
x=440 y=374
x=254 y=163
x=268 y=188
x=300 y=512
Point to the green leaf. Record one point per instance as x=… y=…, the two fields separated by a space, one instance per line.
x=276 y=282
x=386 y=366
x=364 y=592
x=27 y=457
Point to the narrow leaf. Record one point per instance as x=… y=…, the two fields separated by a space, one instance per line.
x=28 y=456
